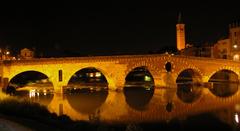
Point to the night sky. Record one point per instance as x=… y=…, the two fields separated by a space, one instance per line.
x=110 y=27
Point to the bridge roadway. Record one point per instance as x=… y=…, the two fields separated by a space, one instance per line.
x=115 y=68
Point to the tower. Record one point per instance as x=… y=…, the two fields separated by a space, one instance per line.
x=180 y=32
x=234 y=36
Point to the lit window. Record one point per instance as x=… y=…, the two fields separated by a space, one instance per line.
x=91 y=75
x=236 y=57
x=147 y=78
x=98 y=74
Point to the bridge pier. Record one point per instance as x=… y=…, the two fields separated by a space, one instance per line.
x=115 y=85
x=205 y=79
x=164 y=80
x=4 y=83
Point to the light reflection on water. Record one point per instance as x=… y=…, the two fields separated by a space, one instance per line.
x=140 y=104
x=86 y=101
x=138 y=97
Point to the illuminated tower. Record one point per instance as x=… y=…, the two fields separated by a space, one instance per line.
x=180 y=31
x=234 y=37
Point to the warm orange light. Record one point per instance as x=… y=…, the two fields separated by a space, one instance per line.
x=236 y=57
x=235 y=46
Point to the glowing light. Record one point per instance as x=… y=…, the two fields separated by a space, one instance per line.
x=147 y=78
x=236 y=118
x=98 y=74
x=236 y=57
x=32 y=93
x=91 y=75
x=44 y=92
x=235 y=46
x=7 y=52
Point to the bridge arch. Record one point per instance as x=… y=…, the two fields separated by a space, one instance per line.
x=189 y=88
x=12 y=75
x=221 y=69
x=194 y=73
x=105 y=74
x=28 y=81
x=224 y=83
x=139 y=87
x=142 y=69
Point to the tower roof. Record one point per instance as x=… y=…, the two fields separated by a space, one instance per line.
x=180 y=18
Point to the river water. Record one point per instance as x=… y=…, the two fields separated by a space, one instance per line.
x=143 y=104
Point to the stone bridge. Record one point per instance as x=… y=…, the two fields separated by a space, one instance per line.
x=116 y=68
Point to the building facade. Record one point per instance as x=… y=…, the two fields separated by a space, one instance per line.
x=228 y=48
x=26 y=54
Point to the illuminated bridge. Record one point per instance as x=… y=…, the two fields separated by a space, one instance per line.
x=165 y=69
x=169 y=99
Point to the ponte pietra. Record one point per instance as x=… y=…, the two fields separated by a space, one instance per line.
x=116 y=68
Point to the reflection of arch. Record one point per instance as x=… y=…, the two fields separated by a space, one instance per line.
x=106 y=77
x=87 y=102
x=189 y=93
x=188 y=75
x=138 y=98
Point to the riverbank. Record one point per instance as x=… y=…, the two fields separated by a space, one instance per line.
x=9 y=125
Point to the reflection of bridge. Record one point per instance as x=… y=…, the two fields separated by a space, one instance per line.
x=116 y=109
x=116 y=68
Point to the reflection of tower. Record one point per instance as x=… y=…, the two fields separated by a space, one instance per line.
x=180 y=32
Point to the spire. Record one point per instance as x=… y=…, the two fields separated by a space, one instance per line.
x=179 y=18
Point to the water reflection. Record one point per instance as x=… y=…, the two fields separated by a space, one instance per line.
x=141 y=104
x=43 y=98
x=188 y=93
x=85 y=100
x=223 y=89
x=138 y=97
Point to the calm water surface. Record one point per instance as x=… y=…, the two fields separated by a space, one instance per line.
x=143 y=104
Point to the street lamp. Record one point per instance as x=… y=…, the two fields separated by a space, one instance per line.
x=235 y=46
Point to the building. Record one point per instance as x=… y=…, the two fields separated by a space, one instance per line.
x=228 y=48
x=222 y=49
x=26 y=53
x=5 y=54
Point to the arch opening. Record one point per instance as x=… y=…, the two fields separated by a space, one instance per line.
x=87 y=90
x=224 y=83
x=168 y=67
x=139 y=88
x=189 y=87
x=32 y=85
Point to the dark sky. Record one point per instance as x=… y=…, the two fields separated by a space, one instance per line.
x=111 y=27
